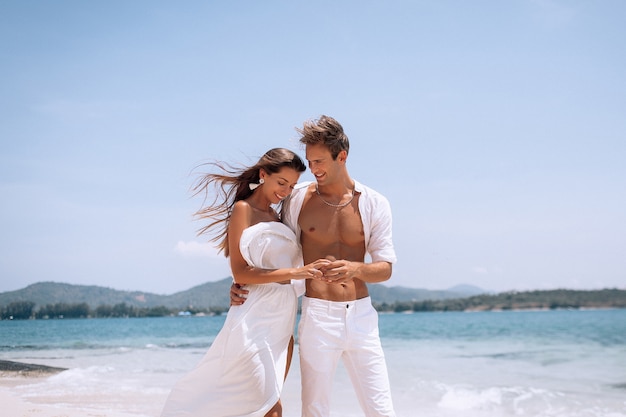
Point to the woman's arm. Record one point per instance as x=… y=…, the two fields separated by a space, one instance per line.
x=241 y=218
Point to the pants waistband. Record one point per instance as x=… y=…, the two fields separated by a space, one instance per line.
x=336 y=305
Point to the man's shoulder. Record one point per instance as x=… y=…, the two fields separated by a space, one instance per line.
x=368 y=192
x=302 y=186
x=300 y=189
x=296 y=197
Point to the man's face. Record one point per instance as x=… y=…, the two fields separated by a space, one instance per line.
x=321 y=163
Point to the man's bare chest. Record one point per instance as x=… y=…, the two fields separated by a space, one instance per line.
x=325 y=225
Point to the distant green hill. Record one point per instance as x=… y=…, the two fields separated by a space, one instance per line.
x=382 y=294
x=43 y=293
x=514 y=300
x=208 y=295
x=214 y=296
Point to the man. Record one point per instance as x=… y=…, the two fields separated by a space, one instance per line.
x=338 y=218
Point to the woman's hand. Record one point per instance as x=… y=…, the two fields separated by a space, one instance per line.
x=313 y=270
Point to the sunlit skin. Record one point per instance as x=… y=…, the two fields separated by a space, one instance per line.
x=329 y=225
x=257 y=208
x=333 y=233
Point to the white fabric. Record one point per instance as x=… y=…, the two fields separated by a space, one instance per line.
x=375 y=214
x=348 y=330
x=270 y=245
x=331 y=330
x=243 y=371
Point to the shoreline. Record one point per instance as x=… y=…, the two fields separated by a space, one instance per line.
x=16 y=378
x=10 y=368
x=439 y=365
x=474 y=309
x=16 y=374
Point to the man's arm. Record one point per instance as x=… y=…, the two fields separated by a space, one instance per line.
x=342 y=271
x=237 y=294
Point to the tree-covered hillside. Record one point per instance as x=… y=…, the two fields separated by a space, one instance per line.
x=55 y=300
x=551 y=299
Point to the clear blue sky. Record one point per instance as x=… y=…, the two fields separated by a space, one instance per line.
x=497 y=130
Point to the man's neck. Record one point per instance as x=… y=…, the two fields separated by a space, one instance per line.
x=337 y=188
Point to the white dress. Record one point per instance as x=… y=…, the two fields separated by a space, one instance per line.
x=243 y=371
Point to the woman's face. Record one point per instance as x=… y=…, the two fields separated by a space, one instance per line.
x=279 y=185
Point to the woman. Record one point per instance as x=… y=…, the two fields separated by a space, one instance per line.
x=243 y=371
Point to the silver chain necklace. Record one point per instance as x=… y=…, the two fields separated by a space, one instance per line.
x=331 y=204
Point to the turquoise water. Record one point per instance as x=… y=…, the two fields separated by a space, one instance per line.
x=605 y=327
x=108 y=333
x=510 y=363
x=583 y=326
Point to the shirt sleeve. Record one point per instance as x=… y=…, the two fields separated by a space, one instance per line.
x=380 y=243
x=292 y=206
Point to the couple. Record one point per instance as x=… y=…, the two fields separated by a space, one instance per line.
x=319 y=239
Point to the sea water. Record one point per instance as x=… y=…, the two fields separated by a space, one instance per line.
x=569 y=363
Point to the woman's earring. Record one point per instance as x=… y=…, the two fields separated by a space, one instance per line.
x=253 y=186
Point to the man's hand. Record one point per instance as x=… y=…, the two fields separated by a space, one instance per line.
x=340 y=271
x=237 y=294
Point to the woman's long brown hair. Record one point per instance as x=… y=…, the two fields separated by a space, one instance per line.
x=232 y=184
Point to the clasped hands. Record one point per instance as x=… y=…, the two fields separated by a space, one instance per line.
x=332 y=271
x=328 y=270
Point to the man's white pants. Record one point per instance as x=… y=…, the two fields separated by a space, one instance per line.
x=330 y=330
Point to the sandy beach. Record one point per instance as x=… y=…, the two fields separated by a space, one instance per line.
x=18 y=377
x=12 y=406
x=14 y=375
